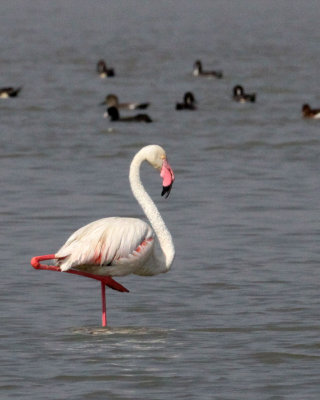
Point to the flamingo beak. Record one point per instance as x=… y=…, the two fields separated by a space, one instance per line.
x=168 y=178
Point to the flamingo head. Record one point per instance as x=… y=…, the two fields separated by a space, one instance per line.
x=157 y=157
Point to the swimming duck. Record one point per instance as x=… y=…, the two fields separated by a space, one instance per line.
x=242 y=97
x=6 y=92
x=113 y=114
x=197 y=71
x=112 y=101
x=188 y=102
x=103 y=71
x=308 y=112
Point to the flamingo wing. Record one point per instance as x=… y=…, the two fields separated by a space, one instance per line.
x=123 y=242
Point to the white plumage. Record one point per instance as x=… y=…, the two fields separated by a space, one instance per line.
x=110 y=246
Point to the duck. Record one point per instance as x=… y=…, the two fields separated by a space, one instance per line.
x=308 y=112
x=6 y=92
x=188 y=102
x=242 y=97
x=103 y=71
x=198 y=71
x=113 y=114
x=112 y=100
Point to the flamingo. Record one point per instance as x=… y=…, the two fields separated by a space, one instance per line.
x=118 y=246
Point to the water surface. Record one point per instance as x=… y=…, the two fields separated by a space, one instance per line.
x=237 y=317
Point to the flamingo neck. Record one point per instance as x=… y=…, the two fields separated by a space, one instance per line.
x=163 y=260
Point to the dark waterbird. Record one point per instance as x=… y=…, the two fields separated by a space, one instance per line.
x=189 y=102
x=113 y=114
x=103 y=70
x=240 y=96
x=6 y=92
x=308 y=112
x=198 y=71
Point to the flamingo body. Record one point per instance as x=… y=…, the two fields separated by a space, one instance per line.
x=110 y=246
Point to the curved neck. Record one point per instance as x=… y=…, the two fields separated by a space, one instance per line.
x=164 y=261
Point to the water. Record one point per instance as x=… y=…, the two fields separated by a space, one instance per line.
x=237 y=317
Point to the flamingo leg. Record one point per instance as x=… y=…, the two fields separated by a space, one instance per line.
x=105 y=280
x=104 y=307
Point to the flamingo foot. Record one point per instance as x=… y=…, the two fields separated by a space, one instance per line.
x=35 y=262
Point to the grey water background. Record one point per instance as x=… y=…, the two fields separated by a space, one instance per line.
x=237 y=317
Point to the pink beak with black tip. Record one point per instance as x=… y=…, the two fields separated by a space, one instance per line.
x=168 y=178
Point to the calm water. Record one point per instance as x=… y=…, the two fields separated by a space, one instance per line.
x=237 y=317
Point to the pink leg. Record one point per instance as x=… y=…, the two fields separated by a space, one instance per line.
x=104 y=308
x=105 y=280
